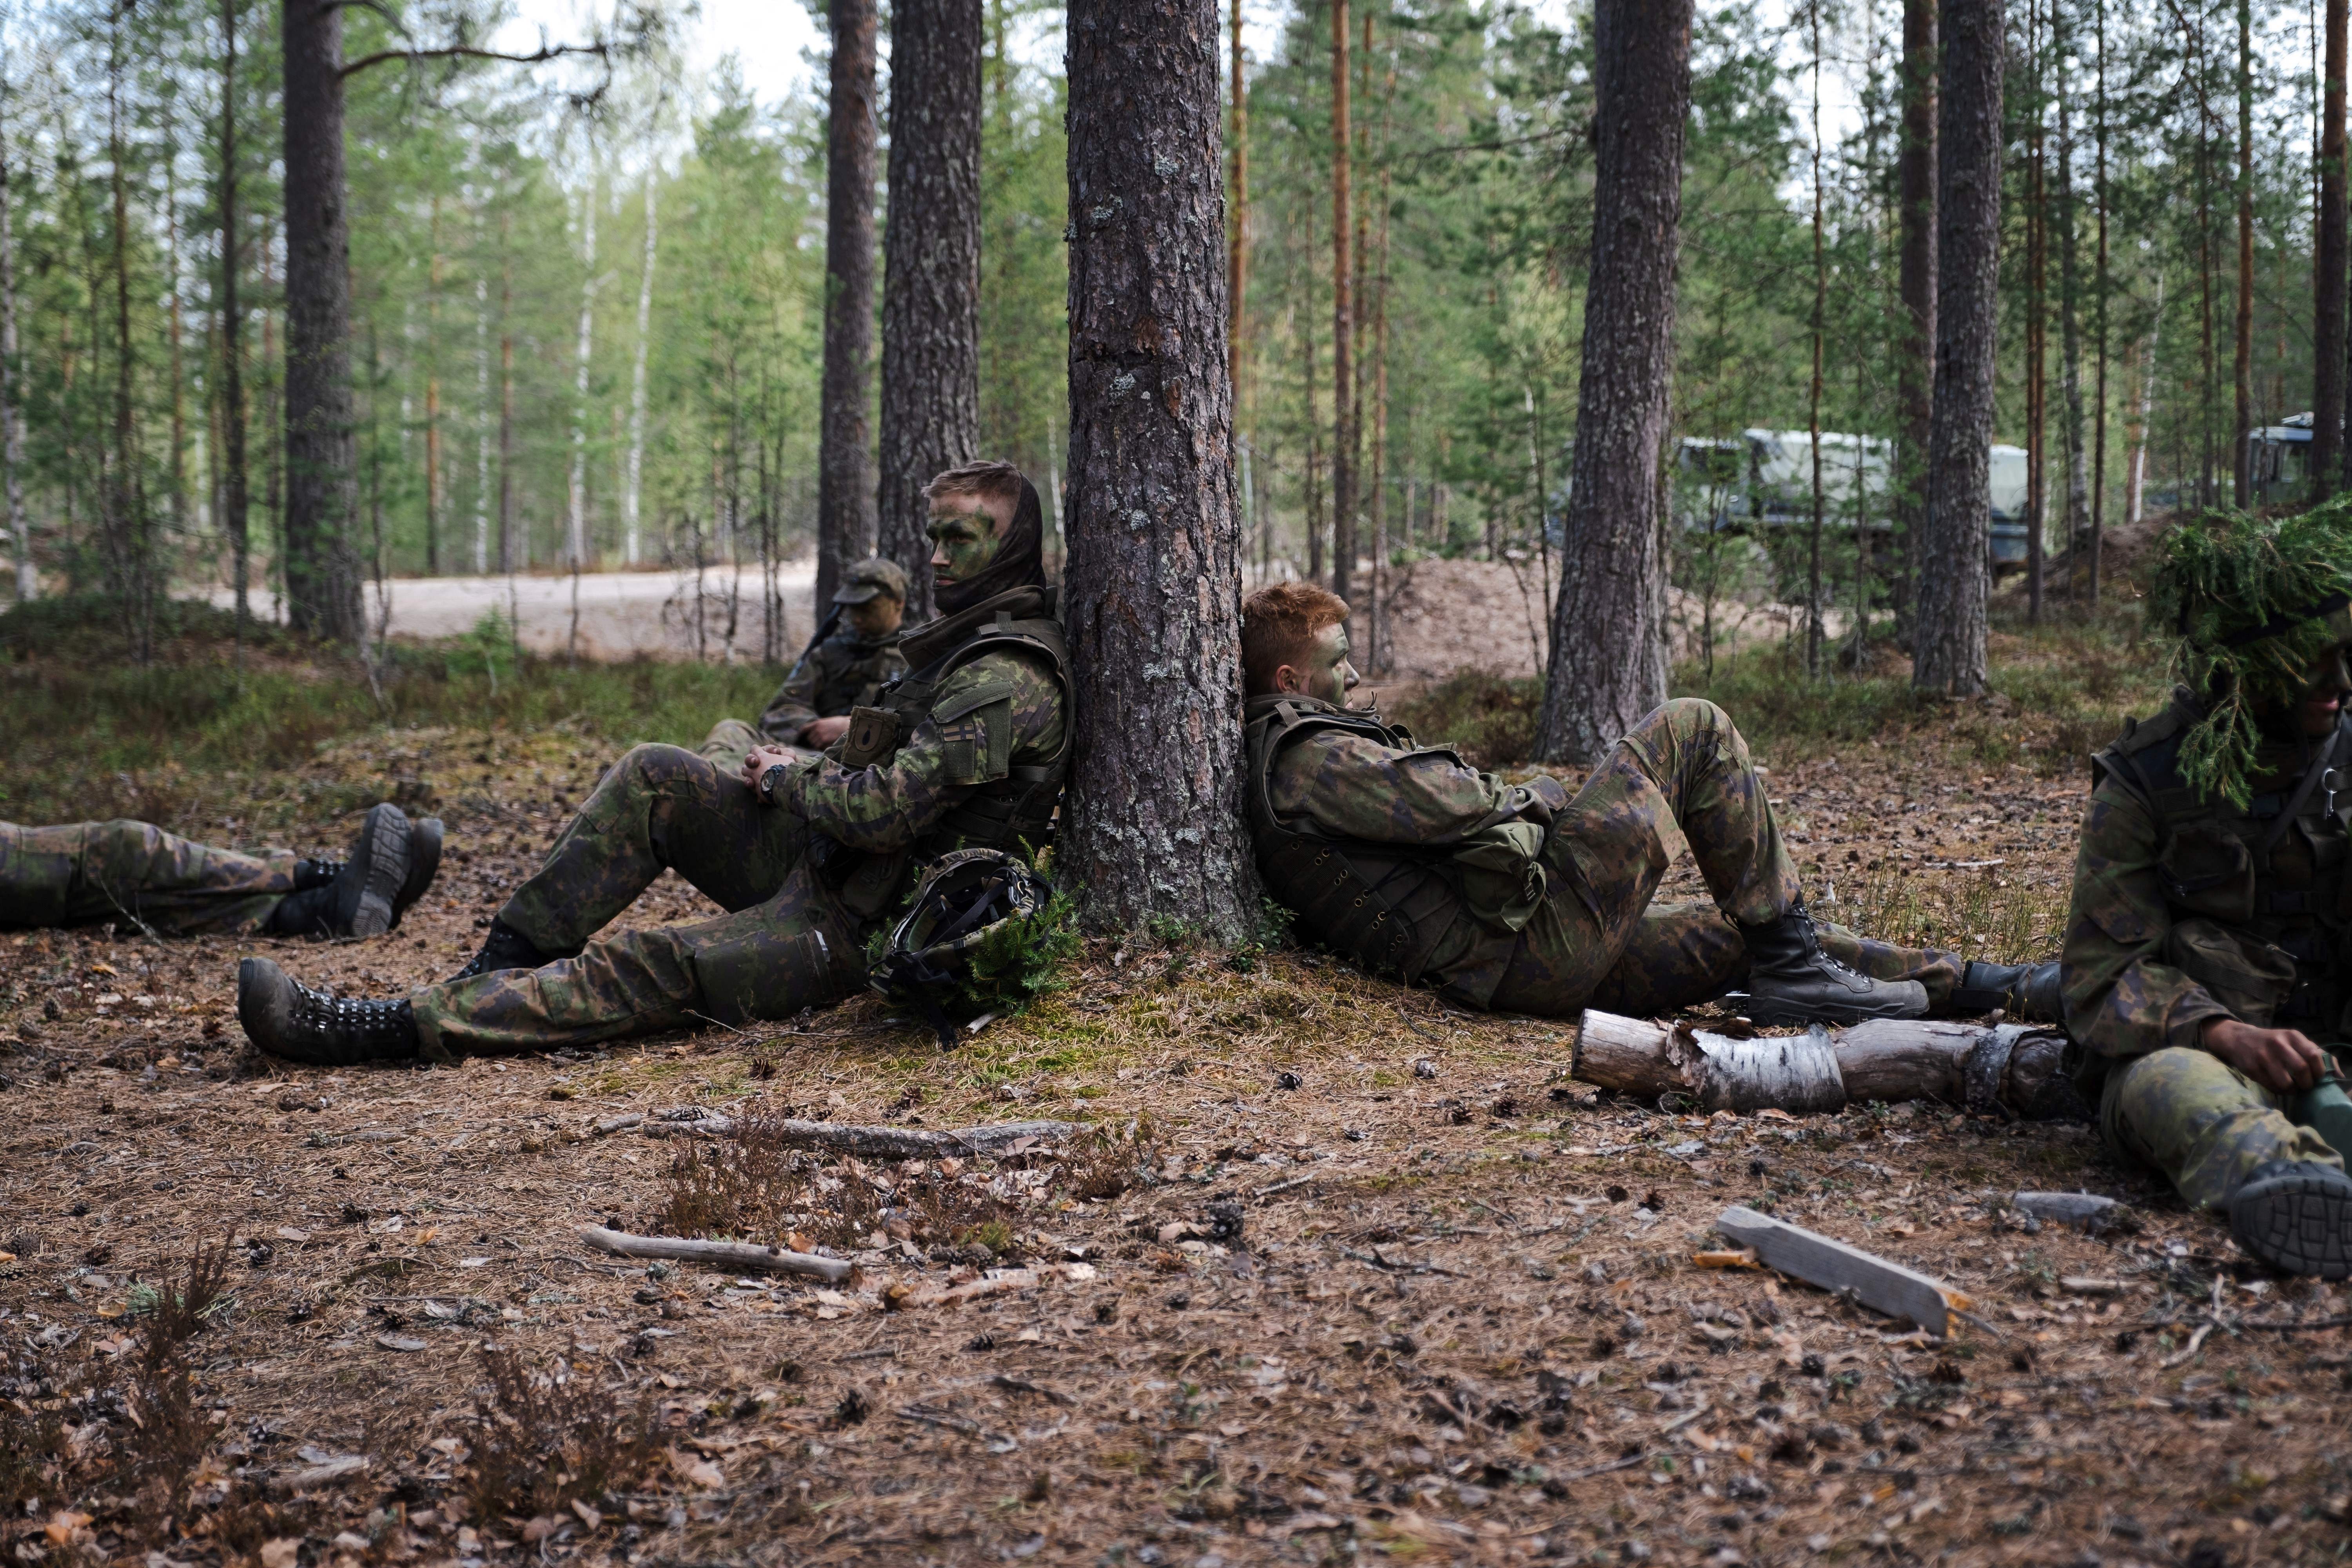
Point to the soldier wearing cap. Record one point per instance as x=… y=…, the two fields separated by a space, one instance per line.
x=2207 y=945
x=853 y=655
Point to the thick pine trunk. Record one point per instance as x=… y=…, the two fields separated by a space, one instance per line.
x=931 y=273
x=322 y=566
x=1607 y=663
x=1153 y=819
x=1949 y=649
x=844 y=492
x=2327 y=444
x=1916 y=365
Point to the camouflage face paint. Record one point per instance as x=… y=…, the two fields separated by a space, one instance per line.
x=964 y=539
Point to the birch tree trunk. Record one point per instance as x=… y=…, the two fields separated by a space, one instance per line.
x=931 y=273
x=433 y=474
x=2070 y=319
x=1153 y=822
x=633 y=487
x=575 y=517
x=1608 y=661
x=481 y=414
x=1948 y=648
x=845 y=495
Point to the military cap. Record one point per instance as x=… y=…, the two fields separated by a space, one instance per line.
x=869 y=577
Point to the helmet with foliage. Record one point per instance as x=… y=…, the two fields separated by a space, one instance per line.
x=982 y=935
x=2253 y=606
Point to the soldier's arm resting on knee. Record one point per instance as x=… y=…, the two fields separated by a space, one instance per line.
x=1001 y=708
x=2122 y=999
x=1354 y=787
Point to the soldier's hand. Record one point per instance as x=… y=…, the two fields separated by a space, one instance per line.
x=819 y=734
x=2281 y=1061
x=761 y=759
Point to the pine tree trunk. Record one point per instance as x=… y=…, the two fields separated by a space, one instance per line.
x=321 y=557
x=1343 y=322
x=2070 y=320
x=1237 y=241
x=506 y=553
x=2037 y=328
x=2241 y=472
x=632 y=480
x=232 y=315
x=575 y=515
x=931 y=273
x=1916 y=363
x=1153 y=825
x=1948 y=650
x=481 y=552
x=12 y=387
x=2328 y=443
x=1608 y=661
x=845 y=500
x=434 y=498
x=2099 y=427
x=129 y=533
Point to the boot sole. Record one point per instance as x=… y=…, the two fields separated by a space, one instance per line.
x=2299 y=1224
x=388 y=832
x=1896 y=999
x=424 y=864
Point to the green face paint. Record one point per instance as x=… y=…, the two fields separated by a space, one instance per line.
x=963 y=541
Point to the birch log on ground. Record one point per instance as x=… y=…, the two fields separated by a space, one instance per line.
x=2009 y=1068
x=725 y=1253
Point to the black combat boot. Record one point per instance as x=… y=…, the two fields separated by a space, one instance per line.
x=2023 y=991
x=503 y=947
x=1792 y=981
x=361 y=896
x=2296 y=1216
x=290 y=1020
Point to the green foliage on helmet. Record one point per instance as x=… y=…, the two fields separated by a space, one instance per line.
x=2251 y=604
x=982 y=934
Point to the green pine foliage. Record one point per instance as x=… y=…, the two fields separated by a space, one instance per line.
x=2229 y=574
x=1018 y=961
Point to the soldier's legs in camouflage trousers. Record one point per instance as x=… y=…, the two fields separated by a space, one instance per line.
x=660 y=807
x=2201 y=1122
x=135 y=872
x=795 y=950
x=1681 y=956
x=731 y=740
x=1686 y=764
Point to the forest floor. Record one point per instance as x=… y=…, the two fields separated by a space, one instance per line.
x=1351 y=1273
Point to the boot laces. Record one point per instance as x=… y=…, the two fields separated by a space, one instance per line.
x=1822 y=955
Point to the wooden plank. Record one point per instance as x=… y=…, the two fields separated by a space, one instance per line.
x=1818 y=1260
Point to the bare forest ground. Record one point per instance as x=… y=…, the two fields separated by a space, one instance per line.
x=1368 y=1276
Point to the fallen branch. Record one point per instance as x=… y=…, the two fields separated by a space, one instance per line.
x=2277 y=1326
x=873 y=1142
x=725 y=1254
x=1817 y=1260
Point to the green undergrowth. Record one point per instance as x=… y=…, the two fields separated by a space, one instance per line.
x=2059 y=692
x=93 y=735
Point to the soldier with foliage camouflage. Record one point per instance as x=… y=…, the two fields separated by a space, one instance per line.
x=77 y=873
x=1522 y=899
x=808 y=856
x=853 y=656
x=2212 y=925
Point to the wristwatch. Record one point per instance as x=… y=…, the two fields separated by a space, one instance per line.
x=768 y=781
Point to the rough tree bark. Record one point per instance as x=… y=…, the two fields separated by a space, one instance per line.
x=233 y=474
x=1343 y=322
x=2327 y=334
x=844 y=484
x=1916 y=366
x=1153 y=823
x=1237 y=242
x=931 y=273
x=1949 y=649
x=1608 y=664
x=322 y=563
x=2242 y=454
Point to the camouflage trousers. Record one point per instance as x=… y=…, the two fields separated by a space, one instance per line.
x=785 y=943
x=135 y=872
x=1596 y=942
x=2202 y=1123
x=731 y=740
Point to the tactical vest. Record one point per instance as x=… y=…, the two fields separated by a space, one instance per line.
x=2261 y=902
x=1388 y=906
x=1012 y=809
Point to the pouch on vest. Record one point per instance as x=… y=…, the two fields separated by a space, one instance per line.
x=2207 y=870
x=873 y=738
x=2245 y=974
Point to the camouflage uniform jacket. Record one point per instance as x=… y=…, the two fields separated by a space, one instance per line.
x=1470 y=875
x=2186 y=909
x=967 y=752
x=842 y=671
